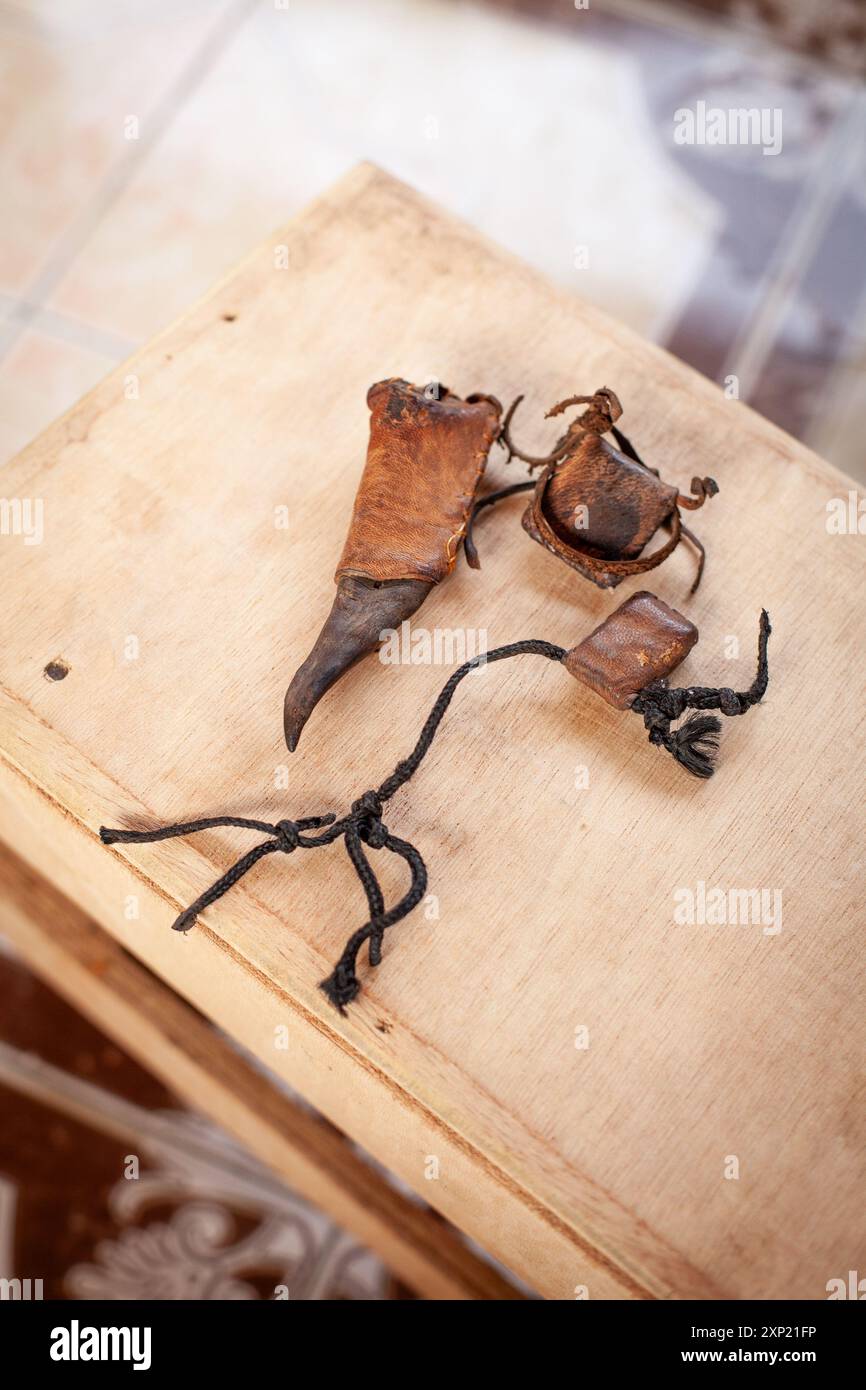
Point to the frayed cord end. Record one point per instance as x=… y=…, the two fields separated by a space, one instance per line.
x=695 y=744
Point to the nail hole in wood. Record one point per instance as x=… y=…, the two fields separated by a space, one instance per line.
x=56 y=670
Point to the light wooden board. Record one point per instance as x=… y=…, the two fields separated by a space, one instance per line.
x=175 y=1043
x=601 y=1166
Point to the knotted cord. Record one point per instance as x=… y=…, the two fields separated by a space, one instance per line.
x=693 y=746
x=363 y=826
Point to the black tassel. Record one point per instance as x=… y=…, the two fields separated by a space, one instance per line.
x=696 y=744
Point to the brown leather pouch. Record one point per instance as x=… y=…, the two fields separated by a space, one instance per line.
x=596 y=507
x=426 y=456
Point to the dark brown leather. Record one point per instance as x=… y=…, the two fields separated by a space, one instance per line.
x=596 y=508
x=625 y=505
x=642 y=641
x=603 y=409
x=425 y=459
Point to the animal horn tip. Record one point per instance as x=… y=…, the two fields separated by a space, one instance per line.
x=294 y=720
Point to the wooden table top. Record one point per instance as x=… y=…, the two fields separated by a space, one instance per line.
x=179 y=604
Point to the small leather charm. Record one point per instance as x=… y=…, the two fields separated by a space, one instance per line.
x=640 y=642
x=596 y=506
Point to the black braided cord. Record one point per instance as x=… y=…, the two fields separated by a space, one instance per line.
x=695 y=743
x=362 y=827
x=693 y=746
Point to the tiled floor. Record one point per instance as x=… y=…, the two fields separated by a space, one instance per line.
x=109 y=1190
x=145 y=148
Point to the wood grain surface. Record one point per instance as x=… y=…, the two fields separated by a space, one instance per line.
x=713 y=1049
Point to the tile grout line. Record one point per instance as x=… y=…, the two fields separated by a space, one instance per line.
x=66 y=328
x=121 y=174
